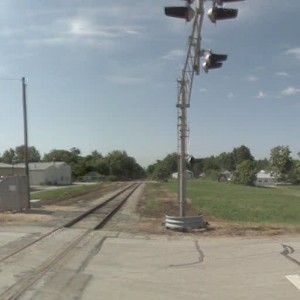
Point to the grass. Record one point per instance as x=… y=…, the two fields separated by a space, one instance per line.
x=237 y=203
x=65 y=193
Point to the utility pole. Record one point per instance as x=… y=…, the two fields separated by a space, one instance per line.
x=25 y=136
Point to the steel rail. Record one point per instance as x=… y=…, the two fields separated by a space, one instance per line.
x=90 y=211
x=15 y=291
x=67 y=225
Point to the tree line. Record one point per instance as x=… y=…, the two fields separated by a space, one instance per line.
x=116 y=165
x=240 y=162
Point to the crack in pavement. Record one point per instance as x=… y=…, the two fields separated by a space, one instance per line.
x=287 y=250
x=199 y=261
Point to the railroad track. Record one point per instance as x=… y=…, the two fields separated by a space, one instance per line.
x=93 y=219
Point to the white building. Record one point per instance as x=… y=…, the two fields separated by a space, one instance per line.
x=264 y=178
x=49 y=173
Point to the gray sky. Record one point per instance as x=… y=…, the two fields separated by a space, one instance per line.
x=102 y=76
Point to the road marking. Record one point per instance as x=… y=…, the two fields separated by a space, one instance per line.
x=294 y=279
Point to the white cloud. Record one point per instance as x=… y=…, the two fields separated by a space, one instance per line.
x=282 y=74
x=174 y=54
x=252 y=78
x=261 y=95
x=290 y=91
x=230 y=95
x=83 y=28
x=95 y=26
x=295 y=52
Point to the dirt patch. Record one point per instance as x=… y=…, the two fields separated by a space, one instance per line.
x=162 y=203
x=20 y=218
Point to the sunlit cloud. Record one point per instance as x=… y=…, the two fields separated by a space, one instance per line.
x=252 y=78
x=290 y=91
x=82 y=28
x=294 y=51
x=282 y=74
x=261 y=95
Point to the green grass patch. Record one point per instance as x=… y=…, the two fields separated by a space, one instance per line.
x=66 y=193
x=238 y=203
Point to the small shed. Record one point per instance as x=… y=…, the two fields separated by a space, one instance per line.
x=10 y=170
x=265 y=179
x=93 y=176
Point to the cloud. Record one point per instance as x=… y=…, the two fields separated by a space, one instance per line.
x=290 y=91
x=230 y=95
x=282 y=74
x=174 y=54
x=96 y=26
x=261 y=95
x=252 y=78
x=83 y=28
x=294 y=51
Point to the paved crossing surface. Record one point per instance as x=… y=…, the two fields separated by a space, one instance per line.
x=117 y=265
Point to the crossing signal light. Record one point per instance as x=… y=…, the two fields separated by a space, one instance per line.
x=220 y=13
x=181 y=12
x=213 y=61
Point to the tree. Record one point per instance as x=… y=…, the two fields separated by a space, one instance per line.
x=117 y=162
x=280 y=161
x=163 y=169
x=33 y=154
x=161 y=173
x=224 y=161
x=238 y=155
x=262 y=164
x=17 y=155
x=62 y=155
x=210 y=163
x=170 y=162
x=8 y=156
x=294 y=173
x=95 y=156
x=123 y=166
x=245 y=173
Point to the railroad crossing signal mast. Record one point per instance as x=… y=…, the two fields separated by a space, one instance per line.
x=185 y=83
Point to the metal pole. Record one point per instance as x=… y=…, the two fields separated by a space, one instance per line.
x=25 y=136
x=182 y=152
x=191 y=67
